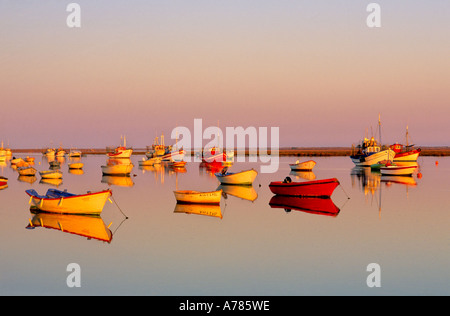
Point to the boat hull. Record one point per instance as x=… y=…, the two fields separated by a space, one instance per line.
x=303 y=166
x=368 y=160
x=397 y=170
x=239 y=178
x=120 y=153
x=196 y=197
x=317 y=188
x=51 y=174
x=90 y=203
x=27 y=171
x=409 y=156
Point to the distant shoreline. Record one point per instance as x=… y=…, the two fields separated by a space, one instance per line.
x=283 y=152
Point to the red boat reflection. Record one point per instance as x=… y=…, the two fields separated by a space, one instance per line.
x=313 y=205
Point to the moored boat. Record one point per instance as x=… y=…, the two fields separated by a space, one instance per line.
x=316 y=188
x=117 y=169
x=26 y=171
x=121 y=151
x=369 y=153
x=245 y=177
x=405 y=153
x=76 y=165
x=51 y=174
x=197 y=197
x=57 y=201
x=395 y=170
x=3 y=181
x=149 y=161
x=303 y=166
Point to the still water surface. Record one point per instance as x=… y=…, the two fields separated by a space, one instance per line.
x=249 y=248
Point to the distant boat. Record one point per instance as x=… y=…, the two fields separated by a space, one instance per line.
x=51 y=174
x=50 y=152
x=196 y=197
x=316 y=188
x=310 y=205
x=29 y=159
x=241 y=178
x=303 y=166
x=76 y=165
x=117 y=169
x=74 y=153
x=26 y=171
x=177 y=164
x=60 y=152
x=149 y=161
x=57 y=201
x=121 y=151
x=395 y=170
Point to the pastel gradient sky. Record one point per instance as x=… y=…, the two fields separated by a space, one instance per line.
x=138 y=68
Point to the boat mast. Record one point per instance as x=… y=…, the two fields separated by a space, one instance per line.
x=379 y=128
x=407 y=136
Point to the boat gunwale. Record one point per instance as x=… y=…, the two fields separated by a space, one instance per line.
x=47 y=198
x=313 y=182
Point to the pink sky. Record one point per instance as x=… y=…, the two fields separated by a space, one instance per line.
x=316 y=71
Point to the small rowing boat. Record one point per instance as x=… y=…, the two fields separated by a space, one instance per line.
x=57 y=201
x=303 y=166
x=196 y=197
x=76 y=165
x=245 y=177
x=3 y=182
x=395 y=170
x=51 y=174
x=317 y=188
x=117 y=169
x=26 y=171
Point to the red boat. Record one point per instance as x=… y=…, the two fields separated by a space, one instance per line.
x=305 y=204
x=317 y=188
x=3 y=182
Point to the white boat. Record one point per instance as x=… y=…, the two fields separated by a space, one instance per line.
x=196 y=197
x=117 y=169
x=303 y=166
x=74 y=153
x=50 y=152
x=150 y=161
x=57 y=201
x=243 y=178
x=76 y=165
x=395 y=170
x=51 y=174
x=370 y=153
x=26 y=171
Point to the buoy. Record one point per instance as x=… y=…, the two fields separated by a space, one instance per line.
x=437 y=162
x=419 y=175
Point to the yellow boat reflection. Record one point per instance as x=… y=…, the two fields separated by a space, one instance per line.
x=118 y=181
x=199 y=209
x=245 y=192
x=81 y=225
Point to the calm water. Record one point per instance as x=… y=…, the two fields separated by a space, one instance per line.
x=250 y=249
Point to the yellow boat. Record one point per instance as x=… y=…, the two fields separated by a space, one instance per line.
x=196 y=197
x=56 y=201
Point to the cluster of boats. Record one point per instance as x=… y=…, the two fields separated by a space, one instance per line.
x=395 y=160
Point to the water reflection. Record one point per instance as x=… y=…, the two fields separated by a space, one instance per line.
x=311 y=205
x=91 y=227
x=199 y=209
x=307 y=175
x=244 y=192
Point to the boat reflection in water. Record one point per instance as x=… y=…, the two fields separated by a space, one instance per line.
x=199 y=209
x=118 y=181
x=91 y=227
x=245 y=192
x=307 y=175
x=319 y=206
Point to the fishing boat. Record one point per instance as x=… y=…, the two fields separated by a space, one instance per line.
x=196 y=197
x=396 y=170
x=26 y=171
x=245 y=177
x=117 y=169
x=369 y=153
x=405 y=152
x=76 y=165
x=91 y=227
x=316 y=188
x=50 y=152
x=56 y=201
x=60 y=152
x=51 y=174
x=121 y=151
x=311 y=205
x=303 y=166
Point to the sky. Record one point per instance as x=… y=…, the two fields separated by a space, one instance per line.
x=314 y=69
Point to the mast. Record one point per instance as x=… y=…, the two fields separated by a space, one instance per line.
x=379 y=128
x=407 y=136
